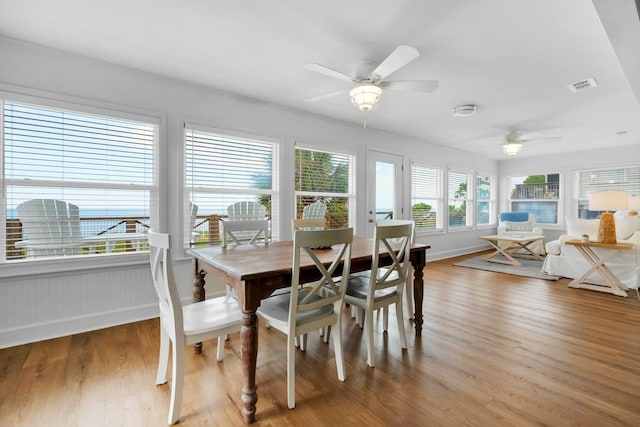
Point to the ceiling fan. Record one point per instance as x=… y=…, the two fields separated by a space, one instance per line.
x=513 y=143
x=367 y=91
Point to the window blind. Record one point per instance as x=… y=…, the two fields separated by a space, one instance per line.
x=426 y=197
x=592 y=180
x=102 y=164
x=328 y=177
x=457 y=186
x=220 y=170
x=485 y=200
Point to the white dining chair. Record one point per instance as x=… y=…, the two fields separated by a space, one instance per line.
x=383 y=286
x=244 y=232
x=309 y=307
x=181 y=325
x=408 y=292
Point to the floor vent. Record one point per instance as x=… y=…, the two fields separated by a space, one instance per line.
x=584 y=84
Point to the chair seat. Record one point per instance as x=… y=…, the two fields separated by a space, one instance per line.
x=212 y=314
x=277 y=307
x=359 y=287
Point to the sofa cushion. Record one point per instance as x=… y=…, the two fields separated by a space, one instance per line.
x=626 y=226
x=517 y=226
x=514 y=216
x=580 y=226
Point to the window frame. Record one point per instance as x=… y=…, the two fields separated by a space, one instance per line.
x=559 y=201
x=273 y=193
x=71 y=105
x=492 y=200
x=351 y=193
x=469 y=200
x=439 y=197
x=632 y=188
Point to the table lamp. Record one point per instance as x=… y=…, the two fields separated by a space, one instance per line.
x=634 y=204
x=607 y=201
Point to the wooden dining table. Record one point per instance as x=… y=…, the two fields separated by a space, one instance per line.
x=256 y=271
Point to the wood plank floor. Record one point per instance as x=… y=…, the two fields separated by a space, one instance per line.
x=496 y=350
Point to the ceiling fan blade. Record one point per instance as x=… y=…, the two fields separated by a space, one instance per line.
x=318 y=68
x=413 y=86
x=325 y=96
x=541 y=139
x=396 y=60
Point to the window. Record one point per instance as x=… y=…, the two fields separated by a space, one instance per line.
x=427 y=203
x=220 y=170
x=588 y=181
x=538 y=193
x=328 y=177
x=460 y=199
x=485 y=200
x=102 y=167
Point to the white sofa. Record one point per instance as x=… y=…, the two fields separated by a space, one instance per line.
x=521 y=224
x=565 y=260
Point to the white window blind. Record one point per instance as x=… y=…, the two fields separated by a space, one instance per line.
x=485 y=200
x=458 y=196
x=328 y=177
x=103 y=165
x=538 y=194
x=427 y=203
x=592 y=180
x=220 y=170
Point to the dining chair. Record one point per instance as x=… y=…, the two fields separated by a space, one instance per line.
x=408 y=292
x=308 y=307
x=382 y=286
x=184 y=325
x=244 y=232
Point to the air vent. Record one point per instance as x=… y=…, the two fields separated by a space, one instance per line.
x=584 y=84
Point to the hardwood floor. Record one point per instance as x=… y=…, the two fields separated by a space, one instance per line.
x=496 y=350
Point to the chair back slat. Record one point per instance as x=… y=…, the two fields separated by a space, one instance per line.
x=247 y=232
x=51 y=226
x=326 y=290
x=315 y=210
x=396 y=241
x=164 y=281
x=246 y=211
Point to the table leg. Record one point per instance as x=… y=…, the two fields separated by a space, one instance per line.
x=198 y=295
x=418 y=262
x=598 y=264
x=498 y=250
x=249 y=341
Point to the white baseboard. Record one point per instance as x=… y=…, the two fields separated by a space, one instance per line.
x=59 y=328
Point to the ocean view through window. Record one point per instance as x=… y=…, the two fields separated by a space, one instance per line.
x=77 y=182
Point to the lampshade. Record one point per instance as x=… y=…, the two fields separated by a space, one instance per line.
x=608 y=200
x=634 y=202
x=512 y=148
x=364 y=96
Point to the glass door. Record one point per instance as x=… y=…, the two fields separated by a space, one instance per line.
x=384 y=188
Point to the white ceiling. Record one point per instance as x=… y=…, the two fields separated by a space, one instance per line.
x=512 y=58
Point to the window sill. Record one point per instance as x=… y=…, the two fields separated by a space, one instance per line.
x=24 y=269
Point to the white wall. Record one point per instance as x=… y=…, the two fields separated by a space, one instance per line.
x=81 y=297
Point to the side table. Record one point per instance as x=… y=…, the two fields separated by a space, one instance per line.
x=611 y=283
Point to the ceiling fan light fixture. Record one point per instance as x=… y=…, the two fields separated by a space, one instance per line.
x=511 y=148
x=365 y=96
x=464 y=110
